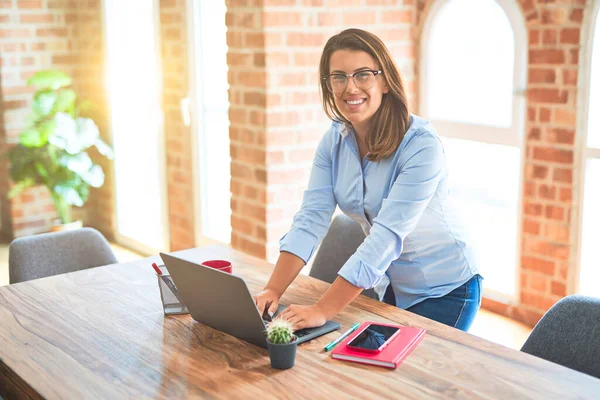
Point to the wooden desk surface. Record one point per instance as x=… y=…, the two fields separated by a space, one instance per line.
x=101 y=333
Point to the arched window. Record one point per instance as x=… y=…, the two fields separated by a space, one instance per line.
x=589 y=100
x=473 y=72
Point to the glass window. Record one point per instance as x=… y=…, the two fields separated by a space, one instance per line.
x=470 y=64
x=589 y=278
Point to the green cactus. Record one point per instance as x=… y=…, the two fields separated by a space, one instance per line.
x=280 y=332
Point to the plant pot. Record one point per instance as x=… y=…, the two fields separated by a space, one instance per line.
x=58 y=227
x=282 y=356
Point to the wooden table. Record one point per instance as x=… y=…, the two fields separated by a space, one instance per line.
x=101 y=333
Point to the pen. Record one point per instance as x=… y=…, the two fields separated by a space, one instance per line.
x=342 y=337
x=158 y=271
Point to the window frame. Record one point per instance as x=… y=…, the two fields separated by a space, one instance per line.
x=513 y=136
x=127 y=241
x=591 y=22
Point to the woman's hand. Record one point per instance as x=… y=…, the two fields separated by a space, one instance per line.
x=304 y=316
x=267 y=299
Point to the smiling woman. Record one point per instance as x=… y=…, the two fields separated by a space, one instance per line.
x=386 y=169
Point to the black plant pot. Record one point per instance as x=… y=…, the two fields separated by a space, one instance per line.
x=282 y=356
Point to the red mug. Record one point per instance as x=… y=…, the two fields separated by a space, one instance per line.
x=221 y=265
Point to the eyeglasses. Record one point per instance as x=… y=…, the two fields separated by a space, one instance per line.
x=365 y=79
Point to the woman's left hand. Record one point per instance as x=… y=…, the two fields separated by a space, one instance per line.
x=304 y=316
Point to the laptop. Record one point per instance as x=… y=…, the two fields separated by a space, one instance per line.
x=223 y=302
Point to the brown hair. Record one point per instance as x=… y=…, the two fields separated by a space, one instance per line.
x=390 y=122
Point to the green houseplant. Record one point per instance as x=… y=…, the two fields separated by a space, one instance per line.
x=281 y=343
x=53 y=148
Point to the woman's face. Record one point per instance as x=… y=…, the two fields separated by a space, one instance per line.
x=357 y=104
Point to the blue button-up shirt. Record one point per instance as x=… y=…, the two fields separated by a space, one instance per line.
x=415 y=239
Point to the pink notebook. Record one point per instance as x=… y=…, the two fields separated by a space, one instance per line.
x=391 y=356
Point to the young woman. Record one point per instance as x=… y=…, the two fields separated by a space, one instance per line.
x=386 y=169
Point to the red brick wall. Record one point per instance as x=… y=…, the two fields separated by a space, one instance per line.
x=548 y=248
x=34 y=35
x=275 y=113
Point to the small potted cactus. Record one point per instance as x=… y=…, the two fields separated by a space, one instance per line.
x=281 y=343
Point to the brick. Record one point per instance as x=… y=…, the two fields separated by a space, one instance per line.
x=559 y=289
x=29 y=4
x=560 y=135
x=534 y=37
x=289 y=175
x=555 y=212
x=306 y=39
x=556 y=232
x=538 y=265
x=52 y=32
x=531 y=226
x=531 y=114
x=15 y=33
x=534 y=134
x=547 y=95
x=329 y=19
x=542 y=75
x=569 y=36
x=545 y=114
x=569 y=76
x=36 y=18
x=547 y=56
x=553 y=155
x=576 y=15
x=533 y=209
x=538 y=301
x=537 y=171
x=550 y=36
x=565 y=117
x=566 y=195
x=397 y=17
x=554 y=16
x=282 y=18
x=530 y=191
x=359 y=18
x=562 y=175
x=539 y=283
x=547 y=192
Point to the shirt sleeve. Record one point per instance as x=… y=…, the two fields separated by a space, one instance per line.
x=312 y=221
x=421 y=169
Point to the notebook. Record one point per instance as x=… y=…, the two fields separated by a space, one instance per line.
x=391 y=356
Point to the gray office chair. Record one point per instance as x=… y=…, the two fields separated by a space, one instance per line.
x=47 y=254
x=341 y=241
x=569 y=335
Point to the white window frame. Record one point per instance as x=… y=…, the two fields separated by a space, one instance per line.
x=513 y=136
x=582 y=152
x=126 y=241
x=189 y=105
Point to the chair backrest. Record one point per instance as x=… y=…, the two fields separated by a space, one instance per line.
x=569 y=335
x=47 y=254
x=341 y=241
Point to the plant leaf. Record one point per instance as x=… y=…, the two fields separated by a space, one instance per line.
x=104 y=149
x=68 y=192
x=65 y=101
x=79 y=163
x=88 y=132
x=49 y=79
x=43 y=103
x=94 y=177
x=65 y=135
x=19 y=187
x=31 y=137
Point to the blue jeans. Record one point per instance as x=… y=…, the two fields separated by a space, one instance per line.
x=456 y=309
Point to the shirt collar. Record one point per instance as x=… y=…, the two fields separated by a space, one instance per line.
x=344 y=130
